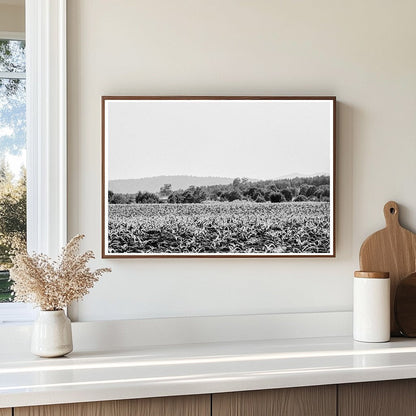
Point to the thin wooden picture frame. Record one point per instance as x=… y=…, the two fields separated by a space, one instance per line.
x=145 y=195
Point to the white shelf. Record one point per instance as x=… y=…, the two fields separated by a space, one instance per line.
x=150 y=371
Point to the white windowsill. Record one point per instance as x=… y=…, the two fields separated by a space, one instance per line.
x=16 y=313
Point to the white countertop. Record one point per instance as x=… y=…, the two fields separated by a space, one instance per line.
x=148 y=371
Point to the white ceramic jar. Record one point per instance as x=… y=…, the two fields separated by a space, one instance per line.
x=371 y=309
x=52 y=334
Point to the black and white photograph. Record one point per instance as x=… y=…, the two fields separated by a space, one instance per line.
x=218 y=176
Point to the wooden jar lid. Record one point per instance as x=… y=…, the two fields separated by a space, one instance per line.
x=372 y=275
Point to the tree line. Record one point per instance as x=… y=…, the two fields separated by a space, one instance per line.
x=12 y=224
x=298 y=189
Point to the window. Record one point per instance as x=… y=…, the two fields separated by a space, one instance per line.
x=12 y=166
x=12 y=155
x=46 y=133
x=45 y=91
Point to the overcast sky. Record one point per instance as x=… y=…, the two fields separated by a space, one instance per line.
x=253 y=139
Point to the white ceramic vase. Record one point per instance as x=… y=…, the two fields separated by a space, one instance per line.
x=52 y=334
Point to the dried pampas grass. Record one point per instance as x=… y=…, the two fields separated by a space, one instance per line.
x=53 y=285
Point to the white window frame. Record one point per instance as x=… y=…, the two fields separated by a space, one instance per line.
x=46 y=135
x=10 y=312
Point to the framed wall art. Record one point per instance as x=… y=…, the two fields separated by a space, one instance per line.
x=218 y=176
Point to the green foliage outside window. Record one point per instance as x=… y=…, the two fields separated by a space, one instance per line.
x=12 y=153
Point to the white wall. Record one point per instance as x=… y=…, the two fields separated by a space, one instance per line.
x=361 y=51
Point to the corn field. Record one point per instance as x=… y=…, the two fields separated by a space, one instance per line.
x=226 y=227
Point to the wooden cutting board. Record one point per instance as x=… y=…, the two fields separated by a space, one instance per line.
x=393 y=250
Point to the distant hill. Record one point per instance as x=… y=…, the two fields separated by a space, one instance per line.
x=303 y=175
x=153 y=184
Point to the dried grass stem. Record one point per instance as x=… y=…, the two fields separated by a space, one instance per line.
x=53 y=285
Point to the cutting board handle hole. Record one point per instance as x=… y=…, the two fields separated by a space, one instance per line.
x=391 y=213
